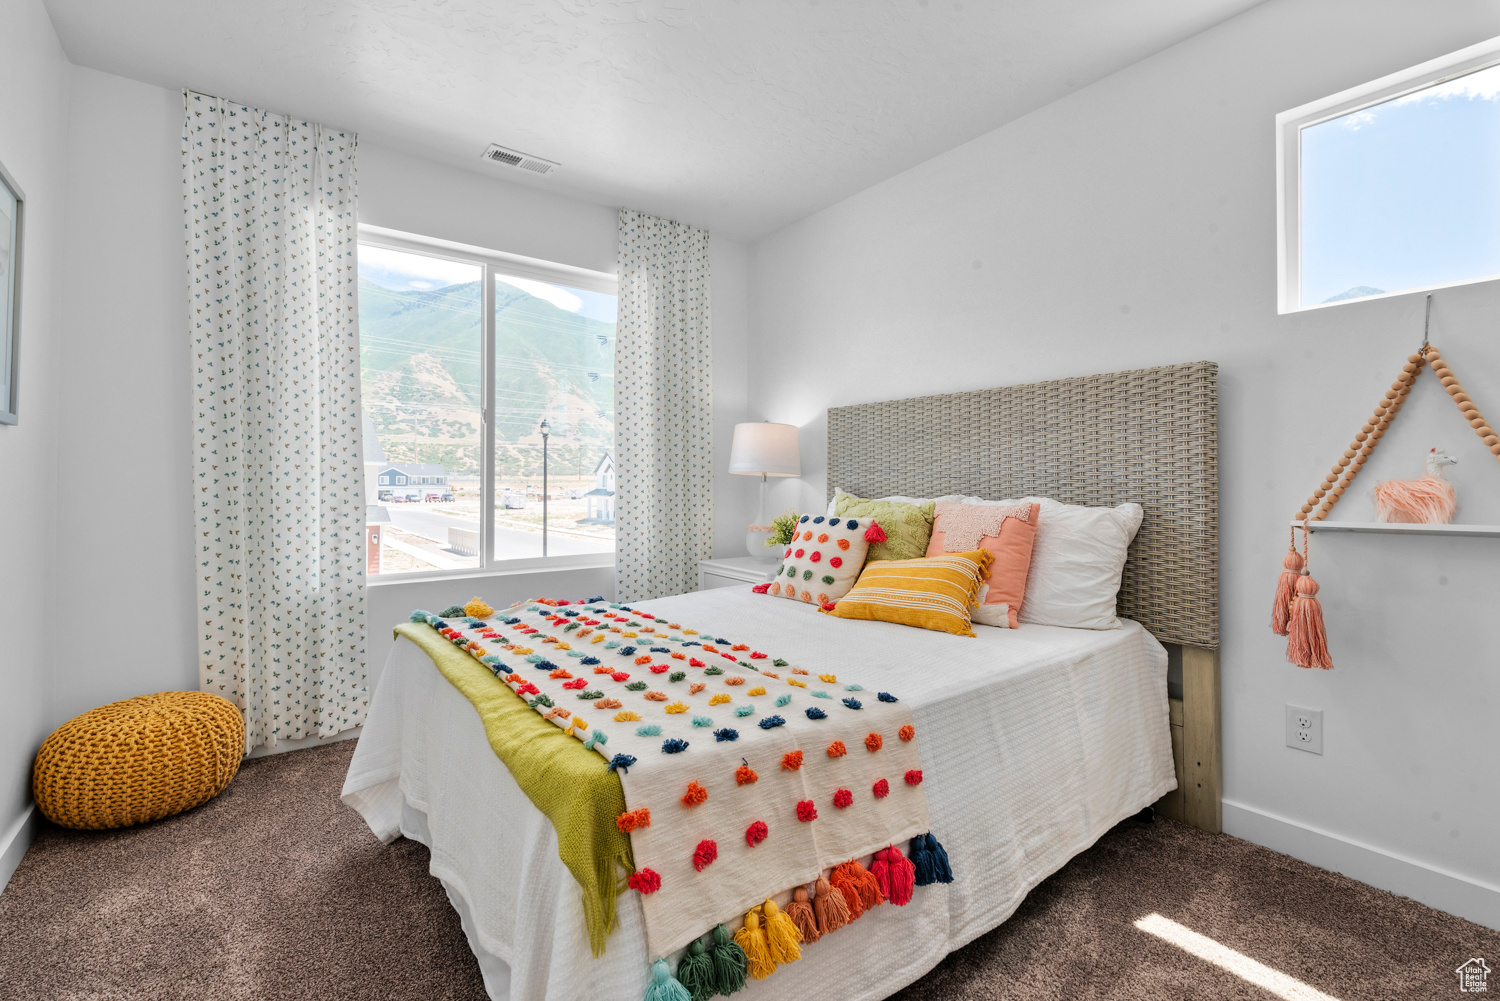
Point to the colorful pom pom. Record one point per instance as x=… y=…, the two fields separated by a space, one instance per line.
x=853 y=703
x=816 y=713
x=886 y=697
x=806 y=811
x=695 y=794
x=726 y=734
x=745 y=775
x=632 y=819
x=745 y=710
x=907 y=732
x=645 y=881
x=914 y=777
x=649 y=730
x=881 y=789
x=771 y=721
x=791 y=761
x=675 y=745
x=837 y=749
x=756 y=833
x=842 y=798
x=702 y=721
x=704 y=854
x=621 y=763
x=874 y=742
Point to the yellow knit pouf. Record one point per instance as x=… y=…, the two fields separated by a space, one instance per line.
x=141 y=759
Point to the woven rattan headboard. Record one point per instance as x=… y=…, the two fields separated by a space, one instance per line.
x=1150 y=436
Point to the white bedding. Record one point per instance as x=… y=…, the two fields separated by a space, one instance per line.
x=1035 y=741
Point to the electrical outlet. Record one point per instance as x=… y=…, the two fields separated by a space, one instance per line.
x=1304 y=728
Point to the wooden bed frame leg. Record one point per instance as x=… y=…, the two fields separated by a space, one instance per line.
x=1201 y=774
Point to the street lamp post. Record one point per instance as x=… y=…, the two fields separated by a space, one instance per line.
x=546 y=430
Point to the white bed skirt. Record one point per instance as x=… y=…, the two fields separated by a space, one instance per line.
x=1023 y=772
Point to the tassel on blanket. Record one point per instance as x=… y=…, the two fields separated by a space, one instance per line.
x=751 y=938
x=929 y=861
x=894 y=874
x=696 y=972
x=729 y=963
x=861 y=891
x=874 y=533
x=801 y=913
x=663 y=986
x=829 y=907
x=782 y=938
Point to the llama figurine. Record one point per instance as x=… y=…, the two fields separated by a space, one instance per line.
x=1427 y=501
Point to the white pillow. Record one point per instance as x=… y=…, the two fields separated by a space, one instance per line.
x=1076 y=562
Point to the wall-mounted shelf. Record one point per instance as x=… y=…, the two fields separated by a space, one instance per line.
x=1392 y=528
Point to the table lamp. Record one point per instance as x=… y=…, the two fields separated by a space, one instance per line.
x=763 y=450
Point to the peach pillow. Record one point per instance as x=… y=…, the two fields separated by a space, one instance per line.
x=1007 y=533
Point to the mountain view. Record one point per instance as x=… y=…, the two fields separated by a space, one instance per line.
x=420 y=360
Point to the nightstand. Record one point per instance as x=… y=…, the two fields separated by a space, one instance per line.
x=735 y=570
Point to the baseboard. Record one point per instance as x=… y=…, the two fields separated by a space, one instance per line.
x=1461 y=895
x=14 y=842
x=282 y=746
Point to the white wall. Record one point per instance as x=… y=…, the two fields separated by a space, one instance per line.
x=123 y=542
x=33 y=113
x=1133 y=224
x=124 y=539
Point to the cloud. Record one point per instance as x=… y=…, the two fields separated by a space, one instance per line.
x=559 y=297
x=416 y=271
x=1356 y=121
x=1484 y=85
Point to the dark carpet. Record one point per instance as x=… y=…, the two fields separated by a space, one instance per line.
x=276 y=890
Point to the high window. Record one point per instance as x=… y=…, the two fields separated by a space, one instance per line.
x=1393 y=186
x=489 y=408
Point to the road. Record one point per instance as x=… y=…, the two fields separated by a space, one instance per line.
x=510 y=543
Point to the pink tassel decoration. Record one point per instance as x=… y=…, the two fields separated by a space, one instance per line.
x=874 y=533
x=1307 y=640
x=1281 y=605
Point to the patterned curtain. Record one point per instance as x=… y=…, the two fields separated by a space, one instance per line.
x=663 y=409
x=277 y=478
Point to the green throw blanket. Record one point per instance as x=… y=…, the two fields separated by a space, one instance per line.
x=567 y=782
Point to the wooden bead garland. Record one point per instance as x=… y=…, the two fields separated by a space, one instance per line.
x=1322 y=500
x=1296 y=612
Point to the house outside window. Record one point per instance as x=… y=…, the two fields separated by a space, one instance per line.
x=463 y=353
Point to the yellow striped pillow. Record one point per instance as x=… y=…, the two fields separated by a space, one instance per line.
x=933 y=593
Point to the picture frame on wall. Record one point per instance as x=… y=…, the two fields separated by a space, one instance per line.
x=12 y=234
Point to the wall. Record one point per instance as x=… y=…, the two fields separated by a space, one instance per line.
x=34 y=82
x=1133 y=224
x=124 y=391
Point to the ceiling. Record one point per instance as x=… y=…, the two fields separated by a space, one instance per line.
x=739 y=115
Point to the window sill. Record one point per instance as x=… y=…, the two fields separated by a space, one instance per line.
x=510 y=568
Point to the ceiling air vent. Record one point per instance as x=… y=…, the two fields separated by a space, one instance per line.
x=515 y=158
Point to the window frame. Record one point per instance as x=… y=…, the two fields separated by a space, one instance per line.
x=493 y=263
x=1289 y=126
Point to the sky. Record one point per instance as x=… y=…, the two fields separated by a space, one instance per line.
x=402 y=271
x=1404 y=194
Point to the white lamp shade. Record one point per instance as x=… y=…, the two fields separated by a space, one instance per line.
x=765 y=449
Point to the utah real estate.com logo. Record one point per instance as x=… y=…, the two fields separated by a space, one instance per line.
x=1473 y=976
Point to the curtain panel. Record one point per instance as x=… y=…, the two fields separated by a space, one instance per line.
x=278 y=484
x=663 y=408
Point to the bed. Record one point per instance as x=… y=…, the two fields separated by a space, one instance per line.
x=1038 y=739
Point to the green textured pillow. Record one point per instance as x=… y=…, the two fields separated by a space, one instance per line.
x=907 y=527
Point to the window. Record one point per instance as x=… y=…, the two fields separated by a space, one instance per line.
x=1393 y=186
x=490 y=378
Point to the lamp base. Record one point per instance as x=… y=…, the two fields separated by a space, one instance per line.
x=756 y=537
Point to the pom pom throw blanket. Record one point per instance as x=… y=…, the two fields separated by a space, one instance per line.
x=735 y=766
